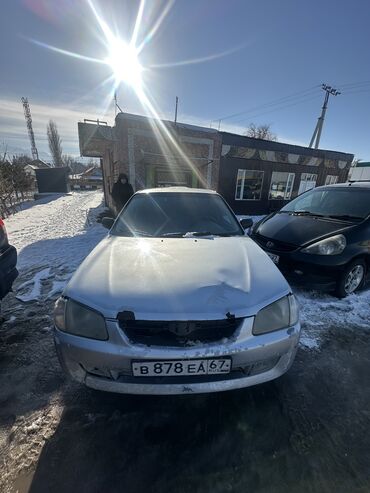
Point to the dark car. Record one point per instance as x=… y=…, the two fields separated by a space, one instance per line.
x=322 y=238
x=8 y=262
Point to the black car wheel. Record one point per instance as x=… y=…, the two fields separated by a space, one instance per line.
x=352 y=278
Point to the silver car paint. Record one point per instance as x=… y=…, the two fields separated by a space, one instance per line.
x=175 y=279
x=114 y=356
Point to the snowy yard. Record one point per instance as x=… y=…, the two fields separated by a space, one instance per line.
x=56 y=436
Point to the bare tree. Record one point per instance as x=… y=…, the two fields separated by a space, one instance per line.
x=14 y=183
x=55 y=143
x=260 y=132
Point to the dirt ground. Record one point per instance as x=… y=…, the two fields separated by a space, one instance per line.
x=306 y=432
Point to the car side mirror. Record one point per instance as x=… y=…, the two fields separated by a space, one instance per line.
x=246 y=223
x=107 y=222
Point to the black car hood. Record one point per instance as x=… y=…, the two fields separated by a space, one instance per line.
x=299 y=230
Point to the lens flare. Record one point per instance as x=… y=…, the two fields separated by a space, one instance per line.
x=124 y=62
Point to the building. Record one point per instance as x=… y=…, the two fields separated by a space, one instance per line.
x=259 y=176
x=255 y=176
x=52 y=180
x=153 y=153
x=90 y=179
x=360 y=171
x=30 y=170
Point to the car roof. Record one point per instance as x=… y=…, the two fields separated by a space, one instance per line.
x=349 y=184
x=177 y=190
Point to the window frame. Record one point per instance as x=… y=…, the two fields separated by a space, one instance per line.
x=243 y=182
x=289 y=173
x=331 y=182
x=306 y=174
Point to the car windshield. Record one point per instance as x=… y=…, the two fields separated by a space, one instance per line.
x=172 y=214
x=342 y=203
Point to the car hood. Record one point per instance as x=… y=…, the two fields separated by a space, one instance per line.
x=177 y=278
x=299 y=230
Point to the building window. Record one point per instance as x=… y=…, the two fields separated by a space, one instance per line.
x=249 y=185
x=308 y=181
x=281 y=185
x=331 y=179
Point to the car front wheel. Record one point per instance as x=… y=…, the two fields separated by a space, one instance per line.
x=352 y=278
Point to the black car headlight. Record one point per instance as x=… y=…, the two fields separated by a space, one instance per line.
x=79 y=320
x=279 y=315
x=330 y=246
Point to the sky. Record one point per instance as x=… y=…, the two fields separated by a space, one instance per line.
x=260 y=62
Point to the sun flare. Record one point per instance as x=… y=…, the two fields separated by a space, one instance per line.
x=124 y=62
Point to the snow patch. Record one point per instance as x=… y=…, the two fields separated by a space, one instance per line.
x=35 y=292
x=57 y=231
x=321 y=310
x=57 y=288
x=309 y=340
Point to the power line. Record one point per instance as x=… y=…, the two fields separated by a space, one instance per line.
x=351 y=84
x=281 y=107
x=356 y=91
x=270 y=103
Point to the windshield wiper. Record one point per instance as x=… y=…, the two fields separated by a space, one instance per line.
x=137 y=232
x=172 y=235
x=345 y=217
x=209 y=233
x=190 y=234
x=306 y=213
x=198 y=233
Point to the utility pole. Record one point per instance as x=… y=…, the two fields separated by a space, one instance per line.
x=176 y=106
x=116 y=105
x=31 y=135
x=320 y=122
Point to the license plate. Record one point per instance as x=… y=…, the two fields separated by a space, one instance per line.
x=273 y=257
x=176 y=368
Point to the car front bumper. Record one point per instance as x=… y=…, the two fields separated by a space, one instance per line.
x=106 y=365
x=319 y=272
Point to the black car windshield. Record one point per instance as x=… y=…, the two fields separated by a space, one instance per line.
x=176 y=214
x=342 y=203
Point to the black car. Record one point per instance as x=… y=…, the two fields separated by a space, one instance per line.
x=8 y=262
x=322 y=238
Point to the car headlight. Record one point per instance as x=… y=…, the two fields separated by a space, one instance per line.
x=79 y=320
x=279 y=315
x=330 y=246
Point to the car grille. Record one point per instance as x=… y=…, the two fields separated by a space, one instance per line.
x=178 y=333
x=277 y=246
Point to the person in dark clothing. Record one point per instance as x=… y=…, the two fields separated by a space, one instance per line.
x=121 y=192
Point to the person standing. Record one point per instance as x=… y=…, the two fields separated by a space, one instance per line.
x=121 y=192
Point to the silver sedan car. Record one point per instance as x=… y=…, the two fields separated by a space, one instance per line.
x=176 y=299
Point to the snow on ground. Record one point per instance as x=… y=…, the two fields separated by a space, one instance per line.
x=57 y=232
x=52 y=237
x=320 y=311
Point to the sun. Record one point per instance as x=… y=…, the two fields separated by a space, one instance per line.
x=124 y=62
